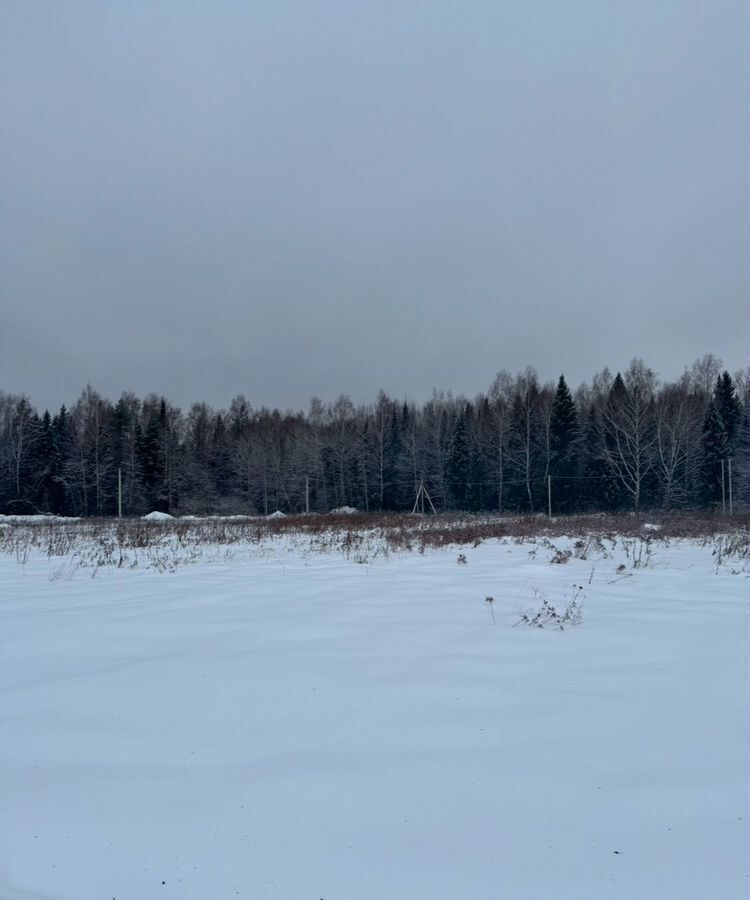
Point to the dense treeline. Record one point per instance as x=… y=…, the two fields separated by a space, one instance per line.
x=618 y=443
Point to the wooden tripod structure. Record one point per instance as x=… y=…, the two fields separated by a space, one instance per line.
x=421 y=496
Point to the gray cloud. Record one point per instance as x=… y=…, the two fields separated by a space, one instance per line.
x=287 y=199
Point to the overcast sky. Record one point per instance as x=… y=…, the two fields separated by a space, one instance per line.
x=286 y=199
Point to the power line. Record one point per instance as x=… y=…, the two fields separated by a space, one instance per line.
x=494 y=482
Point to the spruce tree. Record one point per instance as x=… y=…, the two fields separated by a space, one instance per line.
x=741 y=471
x=151 y=462
x=220 y=460
x=121 y=426
x=600 y=491
x=715 y=450
x=728 y=406
x=564 y=447
x=481 y=476
x=392 y=465
x=477 y=476
x=44 y=464
x=406 y=464
x=459 y=463
x=61 y=447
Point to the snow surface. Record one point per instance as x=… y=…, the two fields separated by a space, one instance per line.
x=286 y=724
x=156 y=516
x=345 y=510
x=277 y=515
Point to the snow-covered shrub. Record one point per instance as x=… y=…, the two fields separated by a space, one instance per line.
x=547 y=615
x=561 y=557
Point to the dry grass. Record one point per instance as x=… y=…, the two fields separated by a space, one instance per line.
x=93 y=543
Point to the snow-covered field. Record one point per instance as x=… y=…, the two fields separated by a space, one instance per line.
x=281 y=723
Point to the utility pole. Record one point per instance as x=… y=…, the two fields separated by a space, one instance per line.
x=723 y=491
x=731 y=505
x=549 y=496
x=119 y=493
x=307 y=493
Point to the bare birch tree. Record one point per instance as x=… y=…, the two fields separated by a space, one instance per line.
x=628 y=432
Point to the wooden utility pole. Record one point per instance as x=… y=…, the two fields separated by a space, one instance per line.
x=119 y=493
x=723 y=491
x=731 y=505
x=549 y=496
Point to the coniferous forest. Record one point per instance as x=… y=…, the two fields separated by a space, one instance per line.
x=623 y=442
